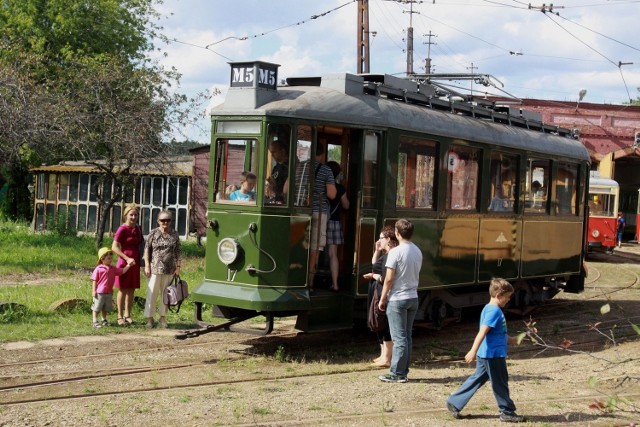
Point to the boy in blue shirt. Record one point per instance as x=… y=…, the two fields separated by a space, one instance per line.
x=490 y=347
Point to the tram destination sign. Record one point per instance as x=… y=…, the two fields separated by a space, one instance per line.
x=254 y=74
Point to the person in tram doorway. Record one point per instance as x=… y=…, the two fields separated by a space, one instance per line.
x=399 y=299
x=620 y=228
x=334 y=226
x=324 y=189
x=386 y=241
x=161 y=263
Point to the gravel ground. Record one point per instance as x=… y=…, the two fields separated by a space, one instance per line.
x=326 y=380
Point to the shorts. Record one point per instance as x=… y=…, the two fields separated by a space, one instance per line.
x=319 y=231
x=102 y=302
x=334 y=233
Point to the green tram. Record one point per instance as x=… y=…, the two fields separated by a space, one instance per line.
x=491 y=194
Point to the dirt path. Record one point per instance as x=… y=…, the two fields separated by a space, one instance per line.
x=145 y=377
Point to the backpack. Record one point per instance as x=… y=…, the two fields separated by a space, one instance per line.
x=175 y=293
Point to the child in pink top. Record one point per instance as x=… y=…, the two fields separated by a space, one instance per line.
x=103 y=278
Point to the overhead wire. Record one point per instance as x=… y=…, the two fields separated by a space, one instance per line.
x=253 y=36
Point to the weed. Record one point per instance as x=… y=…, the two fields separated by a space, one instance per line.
x=185 y=399
x=388 y=406
x=261 y=411
x=281 y=354
x=483 y=407
x=555 y=405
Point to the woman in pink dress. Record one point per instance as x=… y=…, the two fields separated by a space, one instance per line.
x=125 y=245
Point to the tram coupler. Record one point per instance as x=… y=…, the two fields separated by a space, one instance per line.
x=208 y=327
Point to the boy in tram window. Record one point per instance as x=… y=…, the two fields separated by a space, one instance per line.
x=490 y=349
x=245 y=193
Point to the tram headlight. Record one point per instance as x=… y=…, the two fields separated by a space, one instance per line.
x=228 y=250
x=595 y=233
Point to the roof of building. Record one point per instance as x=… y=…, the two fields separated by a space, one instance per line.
x=174 y=166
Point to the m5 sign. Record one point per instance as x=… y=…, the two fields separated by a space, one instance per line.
x=254 y=74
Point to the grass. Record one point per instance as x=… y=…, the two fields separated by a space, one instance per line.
x=59 y=268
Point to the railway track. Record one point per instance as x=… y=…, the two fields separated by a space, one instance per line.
x=38 y=381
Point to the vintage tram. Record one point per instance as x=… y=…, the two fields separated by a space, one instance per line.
x=491 y=194
x=604 y=195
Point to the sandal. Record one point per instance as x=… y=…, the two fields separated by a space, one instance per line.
x=120 y=321
x=128 y=320
x=97 y=325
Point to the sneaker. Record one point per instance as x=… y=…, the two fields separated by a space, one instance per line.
x=511 y=417
x=104 y=322
x=454 y=411
x=390 y=378
x=97 y=325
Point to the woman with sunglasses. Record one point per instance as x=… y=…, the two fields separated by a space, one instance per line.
x=387 y=240
x=162 y=263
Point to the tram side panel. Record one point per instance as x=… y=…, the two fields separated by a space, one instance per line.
x=551 y=248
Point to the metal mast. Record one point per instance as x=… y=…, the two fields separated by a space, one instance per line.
x=363 y=36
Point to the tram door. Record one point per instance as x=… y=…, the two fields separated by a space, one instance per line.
x=366 y=169
x=356 y=152
x=337 y=142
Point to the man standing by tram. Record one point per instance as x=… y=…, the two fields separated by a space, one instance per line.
x=399 y=299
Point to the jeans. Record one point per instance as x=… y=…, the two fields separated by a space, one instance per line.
x=400 y=314
x=494 y=369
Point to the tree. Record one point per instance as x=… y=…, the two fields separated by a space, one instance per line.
x=85 y=63
x=637 y=101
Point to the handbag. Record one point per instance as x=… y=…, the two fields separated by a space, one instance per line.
x=377 y=319
x=175 y=293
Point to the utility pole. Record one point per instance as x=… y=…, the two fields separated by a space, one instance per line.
x=427 y=62
x=363 y=36
x=410 y=37
x=472 y=68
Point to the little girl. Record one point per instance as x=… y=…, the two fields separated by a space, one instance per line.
x=103 y=278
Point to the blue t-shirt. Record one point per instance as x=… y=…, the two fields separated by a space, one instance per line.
x=495 y=343
x=238 y=195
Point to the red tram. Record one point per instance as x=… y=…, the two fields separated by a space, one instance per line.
x=604 y=195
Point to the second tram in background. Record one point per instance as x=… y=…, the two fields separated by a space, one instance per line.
x=604 y=196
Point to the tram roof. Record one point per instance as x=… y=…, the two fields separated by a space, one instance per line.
x=337 y=100
x=602 y=182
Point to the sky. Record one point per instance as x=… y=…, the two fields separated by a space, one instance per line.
x=580 y=44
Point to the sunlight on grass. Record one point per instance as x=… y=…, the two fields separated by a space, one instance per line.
x=39 y=269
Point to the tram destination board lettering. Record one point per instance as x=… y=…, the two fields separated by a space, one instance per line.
x=258 y=75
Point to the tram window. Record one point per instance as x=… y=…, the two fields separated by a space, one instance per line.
x=462 y=179
x=277 y=170
x=504 y=172
x=235 y=160
x=369 y=170
x=602 y=204
x=303 y=165
x=566 y=189
x=537 y=186
x=416 y=173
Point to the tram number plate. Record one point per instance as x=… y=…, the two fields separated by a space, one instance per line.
x=250 y=75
